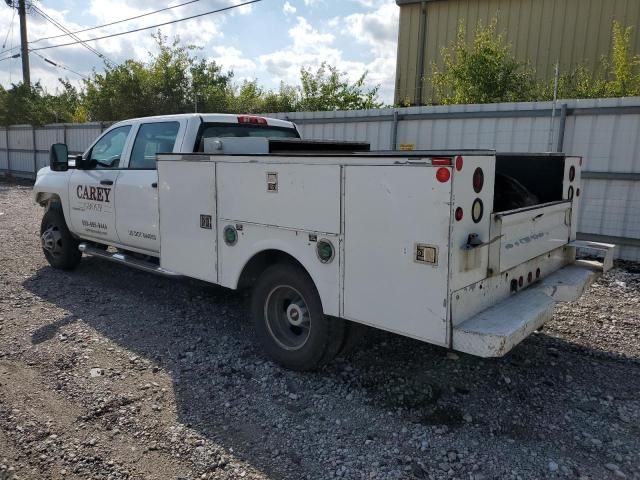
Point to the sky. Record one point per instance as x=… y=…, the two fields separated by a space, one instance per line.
x=269 y=40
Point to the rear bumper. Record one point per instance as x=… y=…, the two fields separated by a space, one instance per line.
x=499 y=328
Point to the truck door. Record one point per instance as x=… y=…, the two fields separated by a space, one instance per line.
x=92 y=192
x=137 y=222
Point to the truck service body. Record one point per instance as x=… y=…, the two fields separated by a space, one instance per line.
x=468 y=250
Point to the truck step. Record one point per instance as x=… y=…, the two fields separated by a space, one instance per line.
x=496 y=330
x=124 y=259
x=606 y=250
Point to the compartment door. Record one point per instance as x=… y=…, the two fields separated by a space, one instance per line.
x=529 y=232
x=187 y=200
x=390 y=211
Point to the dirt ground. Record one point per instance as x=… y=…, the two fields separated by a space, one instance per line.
x=110 y=373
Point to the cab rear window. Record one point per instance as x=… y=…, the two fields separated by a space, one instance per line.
x=218 y=130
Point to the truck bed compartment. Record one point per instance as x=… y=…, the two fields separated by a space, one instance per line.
x=525 y=180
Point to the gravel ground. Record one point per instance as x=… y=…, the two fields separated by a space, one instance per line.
x=110 y=373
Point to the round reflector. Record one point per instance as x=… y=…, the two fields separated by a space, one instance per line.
x=230 y=235
x=478 y=180
x=572 y=173
x=477 y=210
x=443 y=175
x=459 y=213
x=325 y=251
x=459 y=163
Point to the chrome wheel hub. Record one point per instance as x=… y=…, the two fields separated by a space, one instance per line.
x=51 y=240
x=287 y=317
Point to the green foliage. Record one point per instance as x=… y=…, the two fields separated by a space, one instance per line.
x=483 y=72
x=173 y=81
x=328 y=89
x=486 y=72
x=33 y=105
x=616 y=76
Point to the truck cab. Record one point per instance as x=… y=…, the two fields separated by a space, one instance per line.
x=117 y=173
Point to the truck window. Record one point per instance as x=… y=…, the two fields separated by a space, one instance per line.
x=108 y=149
x=152 y=138
x=217 y=130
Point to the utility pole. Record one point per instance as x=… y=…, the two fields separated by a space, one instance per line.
x=24 y=50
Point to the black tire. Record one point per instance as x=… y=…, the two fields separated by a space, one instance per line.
x=283 y=294
x=59 y=247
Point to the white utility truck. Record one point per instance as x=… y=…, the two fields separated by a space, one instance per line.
x=468 y=250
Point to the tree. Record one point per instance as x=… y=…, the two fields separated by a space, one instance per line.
x=173 y=81
x=483 y=72
x=328 y=89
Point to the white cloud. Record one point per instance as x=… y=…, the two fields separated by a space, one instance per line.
x=244 y=10
x=233 y=59
x=288 y=9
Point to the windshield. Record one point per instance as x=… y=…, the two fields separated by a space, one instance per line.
x=217 y=130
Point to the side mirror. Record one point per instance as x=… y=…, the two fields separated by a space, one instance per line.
x=59 y=157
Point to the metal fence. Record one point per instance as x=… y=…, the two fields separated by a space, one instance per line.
x=25 y=149
x=605 y=132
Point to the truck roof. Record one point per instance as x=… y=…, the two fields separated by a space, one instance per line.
x=214 y=117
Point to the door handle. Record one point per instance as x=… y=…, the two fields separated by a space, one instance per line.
x=106 y=182
x=154 y=184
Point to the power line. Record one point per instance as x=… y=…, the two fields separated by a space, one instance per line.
x=118 y=21
x=66 y=30
x=10 y=29
x=15 y=55
x=59 y=65
x=231 y=7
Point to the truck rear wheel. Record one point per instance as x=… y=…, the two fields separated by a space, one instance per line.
x=59 y=247
x=289 y=320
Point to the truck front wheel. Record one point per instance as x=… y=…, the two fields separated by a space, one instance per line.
x=59 y=247
x=289 y=320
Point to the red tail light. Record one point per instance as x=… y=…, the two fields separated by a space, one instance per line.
x=251 y=120
x=459 y=163
x=441 y=162
x=478 y=180
x=459 y=213
x=443 y=175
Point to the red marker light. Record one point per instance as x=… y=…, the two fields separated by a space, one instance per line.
x=441 y=162
x=459 y=163
x=459 y=214
x=443 y=175
x=251 y=120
